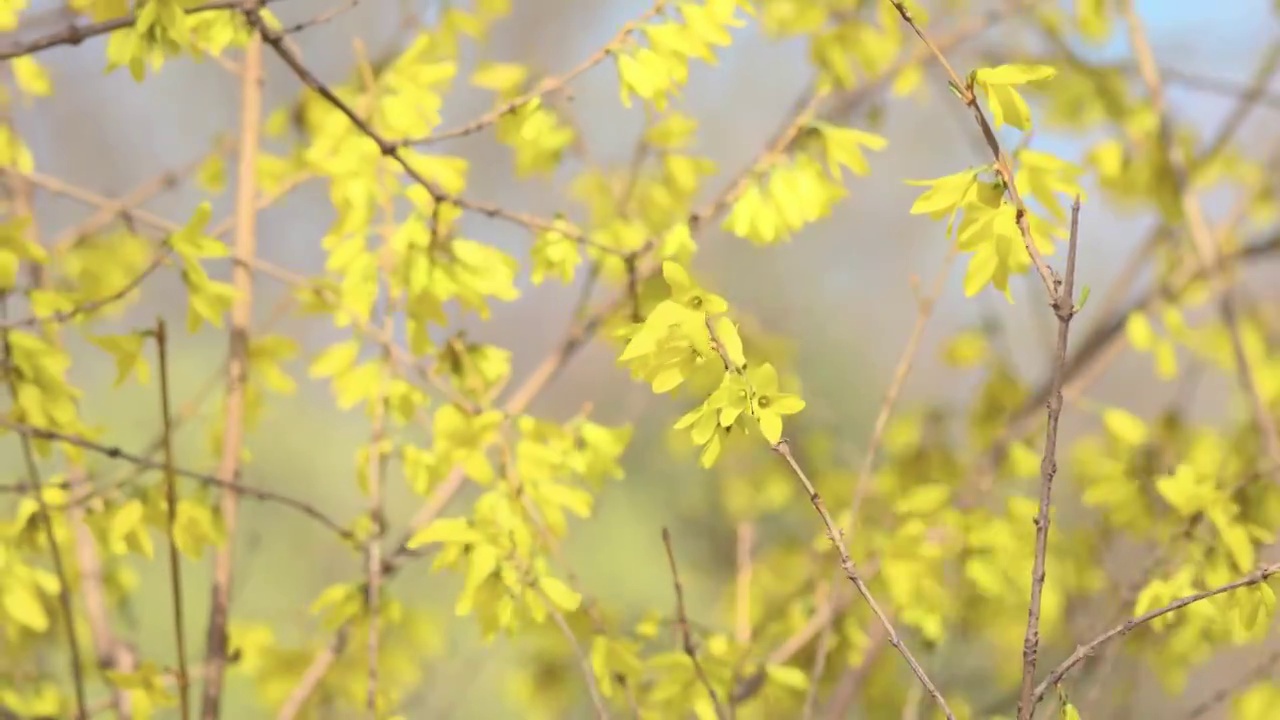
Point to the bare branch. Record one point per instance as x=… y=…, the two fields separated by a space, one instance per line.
x=110 y=451
x=51 y=539
x=1254 y=578
x=171 y=497
x=546 y=87
x=1206 y=247
x=783 y=448
x=75 y=34
x=235 y=399
x=686 y=637
x=1064 y=308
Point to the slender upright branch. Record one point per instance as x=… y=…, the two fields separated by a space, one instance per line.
x=51 y=539
x=244 y=248
x=686 y=636
x=111 y=652
x=22 y=199
x=377 y=462
x=744 y=534
x=171 y=498
x=1064 y=308
x=584 y=661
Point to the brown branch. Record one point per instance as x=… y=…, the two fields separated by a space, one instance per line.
x=547 y=86
x=686 y=637
x=584 y=662
x=783 y=448
x=75 y=34
x=171 y=497
x=321 y=19
x=1206 y=248
x=314 y=674
x=105 y=213
x=1064 y=308
x=392 y=150
x=92 y=305
x=1002 y=165
x=1258 y=576
x=575 y=339
x=924 y=312
x=745 y=535
x=51 y=539
x=1061 y=299
x=116 y=453
x=110 y=651
x=373 y=557
x=820 y=654
x=377 y=464
x=234 y=402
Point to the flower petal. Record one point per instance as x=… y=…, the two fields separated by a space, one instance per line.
x=771 y=427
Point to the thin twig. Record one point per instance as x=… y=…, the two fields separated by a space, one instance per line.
x=924 y=312
x=171 y=497
x=321 y=19
x=116 y=453
x=75 y=34
x=783 y=448
x=1002 y=165
x=1064 y=308
x=377 y=466
x=1254 y=578
x=686 y=637
x=1206 y=248
x=547 y=86
x=745 y=535
x=95 y=304
x=545 y=372
x=584 y=662
x=925 y=307
x=105 y=213
x=111 y=652
x=392 y=150
x=51 y=539
x=821 y=654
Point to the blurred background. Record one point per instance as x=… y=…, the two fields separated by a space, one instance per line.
x=841 y=291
